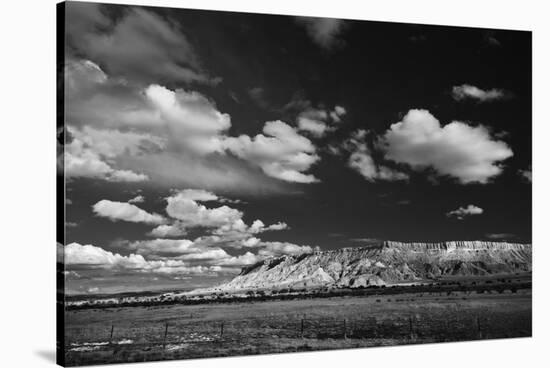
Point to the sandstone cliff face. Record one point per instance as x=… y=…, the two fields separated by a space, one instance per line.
x=385 y=264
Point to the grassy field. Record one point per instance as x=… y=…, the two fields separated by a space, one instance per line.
x=95 y=336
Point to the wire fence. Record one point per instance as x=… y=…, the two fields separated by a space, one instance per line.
x=181 y=333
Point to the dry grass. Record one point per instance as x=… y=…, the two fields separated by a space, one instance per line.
x=195 y=331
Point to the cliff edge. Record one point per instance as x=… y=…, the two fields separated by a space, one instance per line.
x=385 y=263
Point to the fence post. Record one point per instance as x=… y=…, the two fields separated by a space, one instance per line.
x=345 y=332
x=111 y=335
x=165 y=334
x=221 y=330
x=479 y=332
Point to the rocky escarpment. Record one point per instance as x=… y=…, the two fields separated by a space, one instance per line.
x=385 y=263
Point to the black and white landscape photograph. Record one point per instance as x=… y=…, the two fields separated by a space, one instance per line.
x=236 y=183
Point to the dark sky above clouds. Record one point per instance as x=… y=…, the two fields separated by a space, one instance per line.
x=198 y=142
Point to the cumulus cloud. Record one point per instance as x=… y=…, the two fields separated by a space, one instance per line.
x=139 y=45
x=223 y=229
x=172 y=230
x=280 y=152
x=81 y=161
x=238 y=229
x=337 y=113
x=93 y=98
x=361 y=160
x=192 y=214
x=191 y=252
x=462 y=212
x=467 y=153
x=198 y=195
x=84 y=162
x=526 y=174
x=317 y=122
x=173 y=137
x=110 y=143
x=191 y=117
x=324 y=32
x=279 y=248
x=89 y=256
x=206 y=252
x=186 y=212
x=469 y=92
x=91 y=152
x=126 y=176
x=315 y=127
x=182 y=249
x=123 y=211
x=137 y=199
x=243 y=260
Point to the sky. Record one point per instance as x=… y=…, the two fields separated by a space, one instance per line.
x=196 y=143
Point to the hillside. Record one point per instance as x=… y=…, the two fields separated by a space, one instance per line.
x=385 y=263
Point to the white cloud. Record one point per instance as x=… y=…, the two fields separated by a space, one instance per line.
x=238 y=230
x=198 y=195
x=186 y=211
x=173 y=230
x=110 y=143
x=277 y=226
x=527 y=174
x=323 y=31
x=339 y=110
x=173 y=137
x=462 y=212
x=251 y=242
x=315 y=127
x=459 y=150
x=205 y=250
x=192 y=214
x=281 y=153
x=137 y=199
x=163 y=246
x=361 y=160
x=317 y=121
x=193 y=120
x=243 y=260
x=279 y=248
x=180 y=249
x=89 y=255
x=126 y=212
x=467 y=91
x=214 y=254
x=88 y=153
x=337 y=113
x=83 y=162
x=139 y=44
x=127 y=175
x=94 y=99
